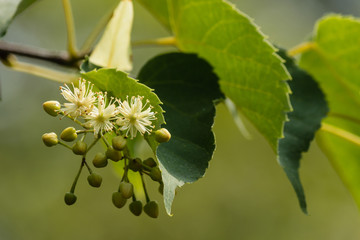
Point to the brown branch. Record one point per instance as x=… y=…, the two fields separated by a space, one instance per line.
x=59 y=57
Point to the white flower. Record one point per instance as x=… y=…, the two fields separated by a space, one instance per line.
x=80 y=100
x=135 y=116
x=101 y=115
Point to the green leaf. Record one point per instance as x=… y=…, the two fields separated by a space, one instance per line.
x=333 y=60
x=159 y=9
x=87 y=66
x=250 y=72
x=188 y=88
x=118 y=84
x=310 y=108
x=9 y=9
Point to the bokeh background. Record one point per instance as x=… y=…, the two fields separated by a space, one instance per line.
x=244 y=195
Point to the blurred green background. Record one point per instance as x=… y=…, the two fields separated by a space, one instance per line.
x=244 y=195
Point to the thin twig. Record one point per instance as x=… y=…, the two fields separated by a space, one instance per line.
x=59 y=57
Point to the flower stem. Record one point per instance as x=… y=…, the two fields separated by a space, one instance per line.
x=144 y=186
x=87 y=165
x=65 y=145
x=39 y=71
x=301 y=48
x=77 y=177
x=166 y=41
x=105 y=141
x=70 y=28
x=92 y=144
x=75 y=120
x=84 y=131
x=341 y=133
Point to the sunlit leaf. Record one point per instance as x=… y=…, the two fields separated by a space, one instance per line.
x=250 y=72
x=333 y=60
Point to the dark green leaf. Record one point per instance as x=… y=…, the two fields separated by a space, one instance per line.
x=188 y=88
x=87 y=66
x=310 y=108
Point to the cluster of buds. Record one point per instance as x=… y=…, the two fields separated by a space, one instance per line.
x=98 y=115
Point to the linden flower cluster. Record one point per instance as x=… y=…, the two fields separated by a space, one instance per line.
x=98 y=114
x=104 y=114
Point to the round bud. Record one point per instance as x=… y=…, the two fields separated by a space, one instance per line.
x=162 y=135
x=79 y=148
x=94 y=180
x=113 y=154
x=119 y=143
x=52 y=107
x=69 y=134
x=150 y=162
x=100 y=160
x=135 y=164
x=152 y=209
x=155 y=174
x=70 y=198
x=136 y=208
x=50 y=139
x=126 y=189
x=118 y=200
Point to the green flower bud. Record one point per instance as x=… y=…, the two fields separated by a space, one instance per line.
x=155 y=174
x=70 y=198
x=126 y=189
x=94 y=180
x=150 y=162
x=100 y=160
x=119 y=143
x=69 y=134
x=162 y=135
x=50 y=139
x=114 y=154
x=79 y=148
x=52 y=107
x=152 y=209
x=135 y=164
x=136 y=208
x=118 y=200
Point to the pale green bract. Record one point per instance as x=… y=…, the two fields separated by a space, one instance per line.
x=335 y=63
